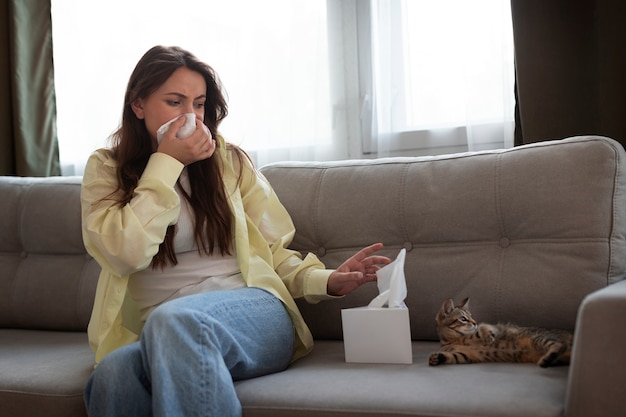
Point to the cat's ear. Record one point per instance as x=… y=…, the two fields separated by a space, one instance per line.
x=464 y=303
x=445 y=309
x=447 y=306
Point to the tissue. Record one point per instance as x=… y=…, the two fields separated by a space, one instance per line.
x=381 y=331
x=185 y=130
x=391 y=284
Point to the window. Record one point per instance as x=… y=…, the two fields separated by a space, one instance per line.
x=312 y=79
x=271 y=56
x=441 y=74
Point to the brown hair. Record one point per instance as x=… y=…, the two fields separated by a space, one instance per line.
x=132 y=147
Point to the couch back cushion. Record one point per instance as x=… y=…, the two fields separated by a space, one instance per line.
x=47 y=280
x=526 y=233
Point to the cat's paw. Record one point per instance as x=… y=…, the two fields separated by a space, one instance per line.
x=486 y=334
x=436 y=358
x=549 y=359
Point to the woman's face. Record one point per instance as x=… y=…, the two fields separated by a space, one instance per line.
x=183 y=92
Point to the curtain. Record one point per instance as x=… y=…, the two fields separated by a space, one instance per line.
x=570 y=68
x=28 y=140
x=442 y=76
x=272 y=57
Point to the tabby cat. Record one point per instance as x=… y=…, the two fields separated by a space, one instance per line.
x=465 y=341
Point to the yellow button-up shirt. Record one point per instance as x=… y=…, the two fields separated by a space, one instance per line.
x=124 y=239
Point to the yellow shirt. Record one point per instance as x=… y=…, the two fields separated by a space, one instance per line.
x=124 y=239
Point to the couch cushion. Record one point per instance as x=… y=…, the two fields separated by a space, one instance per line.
x=323 y=384
x=43 y=370
x=525 y=232
x=47 y=280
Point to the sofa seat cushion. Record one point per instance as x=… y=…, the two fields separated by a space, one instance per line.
x=323 y=384
x=43 y=370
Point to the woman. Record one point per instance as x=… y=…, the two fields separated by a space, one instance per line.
x=192 y=242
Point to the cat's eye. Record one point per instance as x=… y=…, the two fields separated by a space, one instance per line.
x=463 y=319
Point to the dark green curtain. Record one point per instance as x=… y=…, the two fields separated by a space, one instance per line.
x=570 y=59
x=28 y=139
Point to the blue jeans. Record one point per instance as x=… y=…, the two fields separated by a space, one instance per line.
x=190 y=351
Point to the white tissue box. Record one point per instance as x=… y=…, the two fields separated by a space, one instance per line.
x=377 y=335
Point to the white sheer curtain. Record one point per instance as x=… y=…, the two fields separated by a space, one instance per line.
x=272 y=57
x=442 y=76
x=306 y=79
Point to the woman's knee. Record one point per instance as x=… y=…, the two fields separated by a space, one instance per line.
x=169 y=320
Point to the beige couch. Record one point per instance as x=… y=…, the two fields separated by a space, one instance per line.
x=535 y=235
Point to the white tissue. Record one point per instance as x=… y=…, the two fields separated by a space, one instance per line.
x=391 y=284
x=184 y=131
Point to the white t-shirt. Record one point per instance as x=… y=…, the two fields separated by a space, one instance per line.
x=195 y=273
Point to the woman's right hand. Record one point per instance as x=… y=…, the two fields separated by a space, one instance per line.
x=196 y=147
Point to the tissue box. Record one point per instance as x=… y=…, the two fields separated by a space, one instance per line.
x=377 y=335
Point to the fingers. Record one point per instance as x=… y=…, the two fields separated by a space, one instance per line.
x=357 y=270
x=198 y=146
x=367 y=251
x=342 y=283
x=206 y=143
x=364 y=255
x=376 y=260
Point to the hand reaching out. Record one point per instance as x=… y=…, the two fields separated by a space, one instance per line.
x=356 y=270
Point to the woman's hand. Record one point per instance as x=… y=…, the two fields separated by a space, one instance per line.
x=356 y=271
x=198 y=146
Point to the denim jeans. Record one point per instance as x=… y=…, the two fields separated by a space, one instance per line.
x=190 y=351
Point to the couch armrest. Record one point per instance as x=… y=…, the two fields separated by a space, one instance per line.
x=598 y=369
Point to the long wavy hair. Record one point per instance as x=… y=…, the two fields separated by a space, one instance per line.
x=132 y=147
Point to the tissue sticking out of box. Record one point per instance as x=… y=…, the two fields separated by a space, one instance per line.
x=391 y=284
x=184 y=131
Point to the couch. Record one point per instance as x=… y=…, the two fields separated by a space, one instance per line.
x=534 y=235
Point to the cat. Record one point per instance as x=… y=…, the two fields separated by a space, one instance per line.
x=465 y=341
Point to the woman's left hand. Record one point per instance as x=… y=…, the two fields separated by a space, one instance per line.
x=356 y=271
